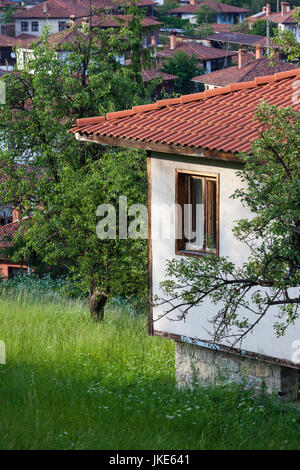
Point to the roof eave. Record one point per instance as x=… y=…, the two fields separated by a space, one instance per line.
x=158 y=147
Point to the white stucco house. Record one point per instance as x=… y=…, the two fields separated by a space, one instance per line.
x=54 y=14
x=192 y=144
x=285 y=19
x=225 y=14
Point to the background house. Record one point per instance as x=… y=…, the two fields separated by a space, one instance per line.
x=248 y=69
x=225 y=14
x=9 y=224
x=284 y=19
x=211 y=57
x=56 y=13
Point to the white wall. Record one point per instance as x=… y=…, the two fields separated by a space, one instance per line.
x=163 y=168
x=51 y=23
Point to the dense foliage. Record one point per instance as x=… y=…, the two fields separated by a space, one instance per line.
x=185 y=67
x=60 y=182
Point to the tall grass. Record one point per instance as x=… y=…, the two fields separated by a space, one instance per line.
x=70 y=383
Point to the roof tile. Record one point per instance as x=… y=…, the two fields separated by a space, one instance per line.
x=221 y=119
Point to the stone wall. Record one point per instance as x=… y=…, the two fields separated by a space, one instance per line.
x=208 y=367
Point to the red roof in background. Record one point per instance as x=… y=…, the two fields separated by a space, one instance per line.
x=7 y=233
x=55 y=9
x=256 y=68
x=220 y=8
x=200 y=51
x=219 y=119
x=23 y=40
x=7 y=41
x=117 y=21
x=287 y=18
x=238 y=38
x=149 y=75
x=6 y=3
x=66 y=8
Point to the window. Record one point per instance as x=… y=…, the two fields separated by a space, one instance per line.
x=24 y=26
x=197 y=224
x=62 y=25
x=34 y=26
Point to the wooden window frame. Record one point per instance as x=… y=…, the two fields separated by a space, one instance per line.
x=179 y=250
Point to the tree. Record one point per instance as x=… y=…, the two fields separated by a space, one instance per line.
x=7 y=17
x=185 y=67
x=270 y=277
x=59 y=181
x=162 y=10
x=259 y=28
x=205 y=14
x=287 y=40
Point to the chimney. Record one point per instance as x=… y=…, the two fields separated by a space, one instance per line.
x=71 y=21
x=15 y=215
x=192 y=2
x=268 y=9
x=243 y=57
x=45 y=7
x=259 y=52
x=173 y=40
x=285 y=8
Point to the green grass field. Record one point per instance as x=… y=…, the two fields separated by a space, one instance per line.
x=72 y=384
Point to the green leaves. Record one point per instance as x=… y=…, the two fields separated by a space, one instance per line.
x=60 y=181
x=185 y=67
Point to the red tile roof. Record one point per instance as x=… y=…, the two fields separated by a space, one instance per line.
x=55 y=9
x=66 y=8
x=256 y=68
x=219 y=119
x=7 y=233
x=5 y=4
x=200 y=51
x=220 y=8
x=238 y=38
x=149 y=75
x=287 y=18
x=117 y=21
x=7 y=41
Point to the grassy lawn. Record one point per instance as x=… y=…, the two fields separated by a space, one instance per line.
x=71 y=384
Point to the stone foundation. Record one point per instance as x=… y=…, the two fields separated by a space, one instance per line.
x=210 y=367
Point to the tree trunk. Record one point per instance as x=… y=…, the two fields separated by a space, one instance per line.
x=97 y=301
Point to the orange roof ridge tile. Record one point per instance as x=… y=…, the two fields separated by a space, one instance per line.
x=287 y=74
x=144 y=107
x=119 y=114
x=89 y=121
x=168 y=102
x=192 y=97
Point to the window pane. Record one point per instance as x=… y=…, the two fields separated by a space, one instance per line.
x=211 y=214
x=196 y=214
x=199 y=212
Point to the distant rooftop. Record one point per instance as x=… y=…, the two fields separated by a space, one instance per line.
x=238 y=38
x=256 y=68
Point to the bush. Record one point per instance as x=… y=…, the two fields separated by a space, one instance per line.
x=46 y=285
